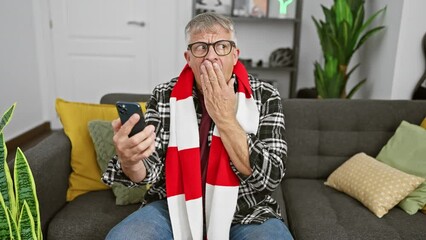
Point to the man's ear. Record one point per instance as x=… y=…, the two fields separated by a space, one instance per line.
x=187 y=56
x=236 y=54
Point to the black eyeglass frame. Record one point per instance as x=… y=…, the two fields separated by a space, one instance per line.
x=233 y=45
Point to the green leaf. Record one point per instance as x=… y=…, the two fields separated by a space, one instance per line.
x=5 y=225
x=356 y=88
x=330 y=67
x=6 y=184
x=371 y=19
x=351 y=71
x=319 y=80
x=14 y=226
x=6 y=117
x=25 y=188
x=26 y=224
x=344 y=42
x=343 y=12
x=359 y=19
x=367 y=35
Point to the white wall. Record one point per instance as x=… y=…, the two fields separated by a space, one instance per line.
x=379 y=53
x=395 y=60
x=410 y=61
x=19 y=67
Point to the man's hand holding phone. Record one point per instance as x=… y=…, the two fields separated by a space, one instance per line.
x=131 y=150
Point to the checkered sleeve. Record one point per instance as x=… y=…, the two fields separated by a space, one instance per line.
x=267 y=148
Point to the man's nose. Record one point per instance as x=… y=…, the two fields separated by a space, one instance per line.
x=211 y=53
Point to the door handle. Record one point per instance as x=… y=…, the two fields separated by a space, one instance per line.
x=140 y=24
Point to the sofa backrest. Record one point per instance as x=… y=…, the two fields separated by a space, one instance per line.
x=322 y=134
x=111 y=98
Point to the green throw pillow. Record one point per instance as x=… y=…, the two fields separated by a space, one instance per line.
x=406 y=151
x=102 y=133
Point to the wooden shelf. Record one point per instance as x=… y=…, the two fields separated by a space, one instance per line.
x=266 y=20
x=275 y=69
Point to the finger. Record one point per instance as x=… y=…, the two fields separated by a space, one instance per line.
x=145 y=147
x=219 y=75
x=130 y=148
x=207 y=84
x=144 y=134
x=213 y=79
x=203 y=83
x=126 y=128
x=231 y=83
x=116 y=125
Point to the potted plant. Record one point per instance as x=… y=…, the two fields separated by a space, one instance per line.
x=341 y=34
x=19 y=208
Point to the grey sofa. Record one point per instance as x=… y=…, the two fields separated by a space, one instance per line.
x=321 y=135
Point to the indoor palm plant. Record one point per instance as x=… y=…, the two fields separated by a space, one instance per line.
x=341 y=34
x=19 y=208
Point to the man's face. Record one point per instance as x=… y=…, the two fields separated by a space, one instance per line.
x=226 y=63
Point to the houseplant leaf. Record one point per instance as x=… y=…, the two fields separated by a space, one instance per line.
x=356 y=87
x=5 y=225
x=367 y=35
x=341 y=34
x=343 y=12
x=26 y=224
x=319 y=79
x=6 y=117
x=6 y=184
x=25 y=188
x=370 y=19
x=14 y=225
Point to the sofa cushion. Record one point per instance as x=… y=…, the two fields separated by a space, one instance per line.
x=88 y=217
x=376 y=185
x=316 y=211
x=74 y=116
x=102 y=133
x=322 y=134
x=406 y=150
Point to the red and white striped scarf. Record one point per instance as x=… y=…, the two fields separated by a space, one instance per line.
x=183 y=164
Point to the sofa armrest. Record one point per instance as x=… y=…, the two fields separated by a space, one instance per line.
x=50 y=164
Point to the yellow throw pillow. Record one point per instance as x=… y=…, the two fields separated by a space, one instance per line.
x=85 y=175
x=376 y=185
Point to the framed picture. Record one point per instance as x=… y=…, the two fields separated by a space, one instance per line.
x=218 y=6
x=282 y=8
x=250 y=8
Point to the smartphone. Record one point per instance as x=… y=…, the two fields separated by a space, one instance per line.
x=126 y=110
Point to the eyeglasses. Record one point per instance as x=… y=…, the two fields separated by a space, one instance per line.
x=221 y=48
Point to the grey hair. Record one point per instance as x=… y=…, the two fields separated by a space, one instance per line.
x=208 y=22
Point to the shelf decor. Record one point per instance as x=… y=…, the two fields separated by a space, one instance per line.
x=250 y=8
x=282 y=8
x=218 y=6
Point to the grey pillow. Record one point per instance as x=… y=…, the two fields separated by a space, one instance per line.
x=102 y=133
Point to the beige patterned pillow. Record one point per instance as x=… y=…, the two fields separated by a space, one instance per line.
x=376 y=185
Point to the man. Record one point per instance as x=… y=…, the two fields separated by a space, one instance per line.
x=213 y=150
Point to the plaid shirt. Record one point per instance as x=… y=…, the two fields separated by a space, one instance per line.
x=267 y=152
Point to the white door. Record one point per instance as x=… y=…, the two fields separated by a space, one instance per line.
x=100 y=46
